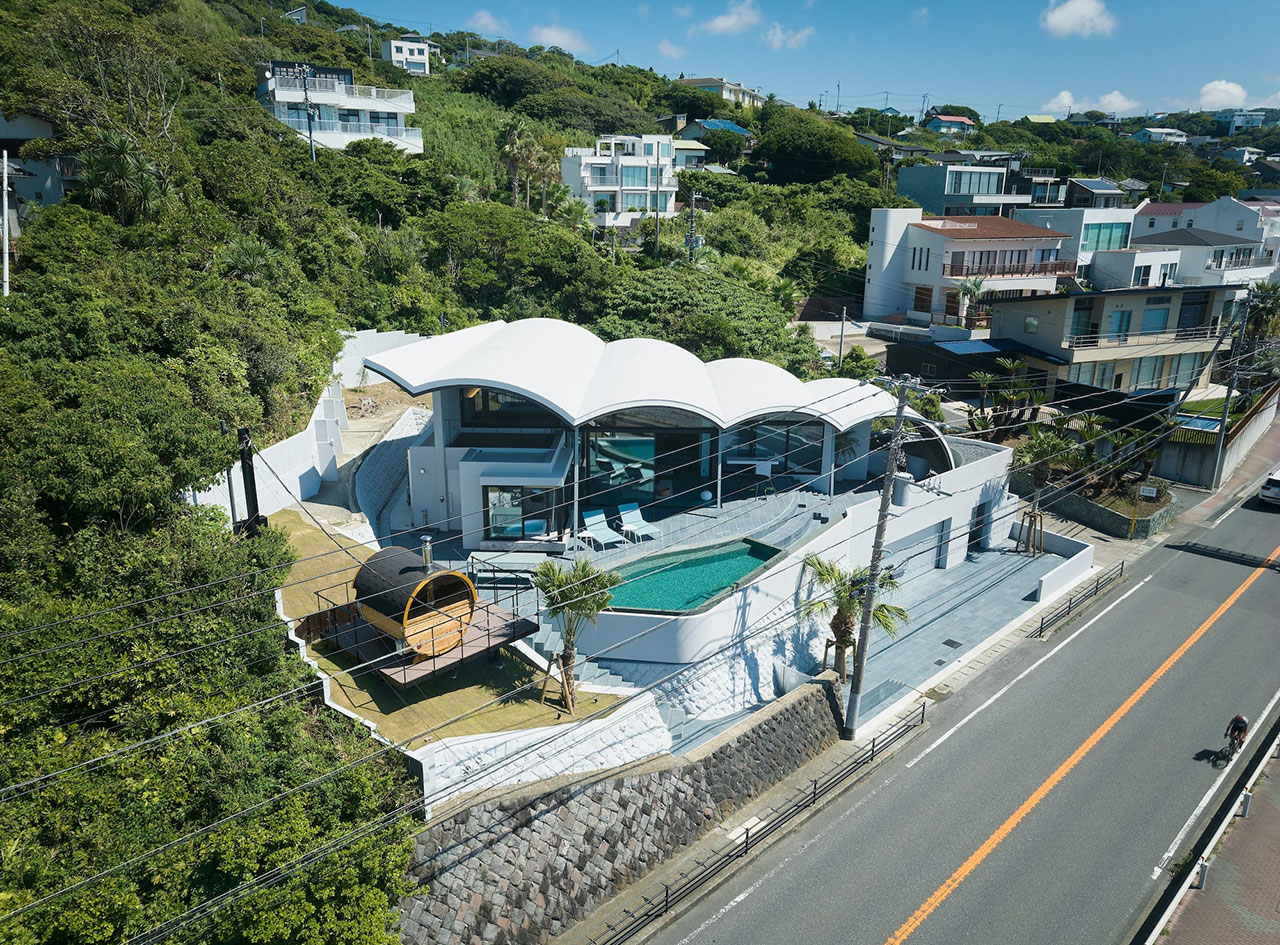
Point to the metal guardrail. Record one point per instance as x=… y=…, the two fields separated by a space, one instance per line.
x=1074 y=602
x=1048 y=268
x=1107 y=339
x=694 y=879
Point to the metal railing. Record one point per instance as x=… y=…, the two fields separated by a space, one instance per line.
x=704 y=871
x=1248 y=263
x=321 y=84
x=354 y=128
x=1075 y=601
x=613 y=181
x=1190 y=333
x=1052 y=268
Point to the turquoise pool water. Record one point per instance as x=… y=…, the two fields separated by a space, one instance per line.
x=683 y=580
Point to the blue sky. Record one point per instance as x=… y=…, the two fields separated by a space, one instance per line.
x=1022 y=56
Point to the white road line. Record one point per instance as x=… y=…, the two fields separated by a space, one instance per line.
x=746 y=893
x=1204 y=801
x=1026 y=672
x=1222 y=518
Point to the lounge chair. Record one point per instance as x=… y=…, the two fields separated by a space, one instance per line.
x=633 y=523
x=598 y=531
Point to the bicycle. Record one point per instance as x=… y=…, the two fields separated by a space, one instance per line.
x=1234 y=743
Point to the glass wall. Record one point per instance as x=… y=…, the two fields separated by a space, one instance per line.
x=975 y=182
x=791 y=444
x=657 y=456
x=1104 y=236
x=518 y=512
x=635 y=176
x=485 y=407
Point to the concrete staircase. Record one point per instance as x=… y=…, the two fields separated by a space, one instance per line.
x=548 y=643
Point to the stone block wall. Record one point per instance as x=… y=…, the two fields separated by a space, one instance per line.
x=1108 y=521
x=524 y=867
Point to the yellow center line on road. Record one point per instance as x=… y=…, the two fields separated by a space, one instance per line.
x=1039 y=794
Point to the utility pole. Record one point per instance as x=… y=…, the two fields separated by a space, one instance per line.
x=311 y=110
x=1160 y=193
x=924 y=105
x=231 y=489
x=693 y=205
x=837 y=98
x=369 y=36
x=998 y=107
x=4 y=210
x=1231 y=392
x=873 y=571
x=262 y=28
x=253 y=520
x=840 y=356
x=657 y=205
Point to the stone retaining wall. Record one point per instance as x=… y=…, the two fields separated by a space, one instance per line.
x=1079 y=509
x=522 y=867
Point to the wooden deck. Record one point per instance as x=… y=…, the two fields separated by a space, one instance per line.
x=491 y=627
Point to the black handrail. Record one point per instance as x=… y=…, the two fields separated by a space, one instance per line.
x=1072 y=604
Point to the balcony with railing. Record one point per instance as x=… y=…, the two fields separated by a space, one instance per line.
x=1055 y=267
x=1040 y=172
x=296 y=88
x=1113 y=339
x=1236 y=262
x=358 y=129
x=613 y=182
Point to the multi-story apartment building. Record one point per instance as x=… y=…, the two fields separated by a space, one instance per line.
x=410 y=52
x=729 y=91
x=1129 y=339
x=1254 y=221
x=325 y=104
x=915 y=264
x=623 y=177
x=1239 y=119
x=1209 y=258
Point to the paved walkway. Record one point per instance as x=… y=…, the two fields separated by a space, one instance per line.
x=1239 y=904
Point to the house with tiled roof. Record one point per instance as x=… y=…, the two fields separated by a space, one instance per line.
x=949 y=124
x=1160 y=136
x=915 y=264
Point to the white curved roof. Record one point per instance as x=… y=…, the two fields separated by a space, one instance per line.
x=572 y=372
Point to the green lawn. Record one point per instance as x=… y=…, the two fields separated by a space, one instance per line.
x=405 y=714
x=1208 y=408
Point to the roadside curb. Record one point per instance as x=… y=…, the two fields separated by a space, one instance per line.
x=651 y=886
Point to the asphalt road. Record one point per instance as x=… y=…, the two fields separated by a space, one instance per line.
x=1082 y=861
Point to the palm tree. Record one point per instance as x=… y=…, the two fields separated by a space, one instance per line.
x=576 y=215
x=969 y=290
x=547 y=170
x=705 y=259
x=984 y=380
x=1092 y=427
x=247 y=258
x=1039 y=450
x=573 y=596
x=117 y=178
x=787 y=294
x=513 y=144
x=842 y=599
x=466 y=189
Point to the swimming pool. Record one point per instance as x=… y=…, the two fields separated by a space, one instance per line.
x=1194 y=422
x=684 y=580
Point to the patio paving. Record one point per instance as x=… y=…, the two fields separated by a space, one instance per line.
x=952 y=613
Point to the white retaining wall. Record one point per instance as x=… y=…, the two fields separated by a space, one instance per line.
x=1078 y=563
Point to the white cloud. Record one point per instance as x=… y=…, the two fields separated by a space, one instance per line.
x=777 y=38
x=1113 y=101
x=738 y=16
x=1078 y=18
x=684 y=12
x=1271 y=101
x=670 y=49
x=920 y=15
x=1222 y=94
x=565 y=37
x=482 y=21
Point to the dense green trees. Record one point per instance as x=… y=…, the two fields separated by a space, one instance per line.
x=803 y=148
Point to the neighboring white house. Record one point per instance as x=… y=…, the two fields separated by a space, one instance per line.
x=341 y=111
x=1210 y=258
x=1243 y=155
x=916 y=264
x=623 y=177
x=1134 y=268
x=1128 y=339
x=1257 y=221
x=1160 y=136
x=410 y=52
x=729 y=91
x=1088 y=229
x=1240 y=119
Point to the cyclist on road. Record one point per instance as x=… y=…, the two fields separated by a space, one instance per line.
x=1237 y=728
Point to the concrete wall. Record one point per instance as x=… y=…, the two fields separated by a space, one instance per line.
x=1194 y=463
x=526 y=866
x=1078 y=563
x=301 y=462
x=1079 y=509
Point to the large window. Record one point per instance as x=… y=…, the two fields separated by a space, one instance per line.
x=1103 y=236
x=633 y=176
x=1155 y=319
x=1185 y=369
x=1082 y=318
x=485 y=407
x=790 y=445
x=515 y=512
x=1147 y=372
x=1118 y=326
x=975 y=182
